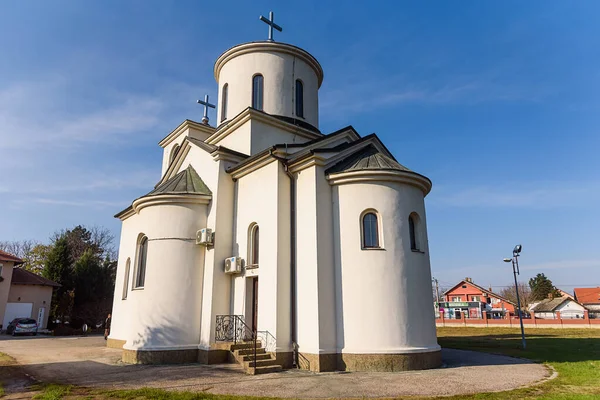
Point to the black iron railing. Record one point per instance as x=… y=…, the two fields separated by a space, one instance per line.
x=232 y=328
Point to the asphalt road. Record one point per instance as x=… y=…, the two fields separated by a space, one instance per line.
x=87 y=362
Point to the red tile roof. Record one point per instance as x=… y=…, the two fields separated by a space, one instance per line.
x=24 y=277
x=587 y=295
x=4 y=256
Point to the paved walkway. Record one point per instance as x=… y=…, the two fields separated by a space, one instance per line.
x=86 y=362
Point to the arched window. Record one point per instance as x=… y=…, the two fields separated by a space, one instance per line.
x=253 y=245
x=299 y=99
x=370 y=231
x=142 y=252
x=257 y=92
x=174 y=152
x=413 y=231
x=224 y=102
x=126 y=280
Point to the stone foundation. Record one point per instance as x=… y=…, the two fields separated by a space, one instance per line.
x=115 y=343
x=216 y=356
x=160 y=356
x=389 y=362
x=318 y=362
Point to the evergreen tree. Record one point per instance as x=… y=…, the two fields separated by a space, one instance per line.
x=58 y=268
x=542 y=288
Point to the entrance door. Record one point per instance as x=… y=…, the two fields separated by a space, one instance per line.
x=40 y=319
x=255 y=304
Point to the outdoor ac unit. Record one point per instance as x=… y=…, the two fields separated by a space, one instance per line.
x=233 y=265
x=204 y=236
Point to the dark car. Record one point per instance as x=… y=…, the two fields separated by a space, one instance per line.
x=19 y=326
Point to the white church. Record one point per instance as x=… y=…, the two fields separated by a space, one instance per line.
x=270 y=243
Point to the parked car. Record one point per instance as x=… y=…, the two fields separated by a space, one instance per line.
x=22 y=325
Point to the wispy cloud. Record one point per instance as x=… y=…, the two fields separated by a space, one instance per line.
x=563 y=265
x=541 y=195
x=27 y=123
x=76 y=203
x=369 y=95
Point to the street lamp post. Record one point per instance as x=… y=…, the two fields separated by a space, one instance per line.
x=515 y=265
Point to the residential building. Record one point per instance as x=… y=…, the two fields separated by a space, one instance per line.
x=590 y=299
x=549 y=308
x=23 y=293
x=469 y=300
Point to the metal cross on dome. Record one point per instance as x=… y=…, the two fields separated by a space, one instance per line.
x=272 y=24
x=206 y=105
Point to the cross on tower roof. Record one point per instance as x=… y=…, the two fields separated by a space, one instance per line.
x=206 y=105
x=271 y=23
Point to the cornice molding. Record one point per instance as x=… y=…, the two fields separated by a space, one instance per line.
x=182 y=127
x=268 y=47
x=260 y=162
x=405 y=177
x=249 y=114
x=170 y=199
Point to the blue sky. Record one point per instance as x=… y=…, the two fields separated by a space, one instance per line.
x=497 y=102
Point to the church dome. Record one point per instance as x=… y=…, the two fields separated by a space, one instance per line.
x=277 y=78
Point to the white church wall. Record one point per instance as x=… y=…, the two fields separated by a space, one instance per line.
x=383 y=295
x=280 y=71
x=264 y=135
x=261 y=198
x=165 y=314
x=216 y=295
x=239 y=140
x=314 y=276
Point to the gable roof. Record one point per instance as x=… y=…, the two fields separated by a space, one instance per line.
x=483 y=290
x=549 y=305
x=21 y=276
x=368 y=158
x=587 y=295
x=4 y=256
x=185 y=182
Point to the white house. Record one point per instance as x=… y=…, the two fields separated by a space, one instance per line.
x=325 y=234
x=547 y=308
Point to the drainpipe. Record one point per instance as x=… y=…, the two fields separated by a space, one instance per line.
x=293 y=297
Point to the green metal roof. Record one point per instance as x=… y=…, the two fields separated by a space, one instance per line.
x=369 y=158
x=185 y=182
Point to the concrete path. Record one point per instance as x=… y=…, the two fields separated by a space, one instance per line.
x=86 y=362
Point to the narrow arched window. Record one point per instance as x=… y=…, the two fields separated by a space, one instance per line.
x=370 y=227
x=174 y=152
x=299 y=99
x=126 y=279
x=253 y=245
x=413 y=231
x=142 y=253
x=257 y=92
x=224 y=102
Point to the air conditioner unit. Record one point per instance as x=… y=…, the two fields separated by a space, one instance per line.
x=233 y=265
x=204 y=236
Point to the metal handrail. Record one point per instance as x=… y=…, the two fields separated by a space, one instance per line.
x=233 y=328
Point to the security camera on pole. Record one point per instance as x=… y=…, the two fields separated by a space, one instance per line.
x=515 y=264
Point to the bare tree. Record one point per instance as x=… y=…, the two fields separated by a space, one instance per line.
x=19 y=248
x=524 y=293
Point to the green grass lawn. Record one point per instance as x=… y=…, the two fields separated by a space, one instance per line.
x=573 y=353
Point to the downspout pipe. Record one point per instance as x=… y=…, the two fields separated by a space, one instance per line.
x=293 y=297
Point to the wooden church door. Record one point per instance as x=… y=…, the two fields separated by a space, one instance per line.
x=255 y=304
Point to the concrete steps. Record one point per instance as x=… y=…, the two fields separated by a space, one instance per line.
x=264 y=363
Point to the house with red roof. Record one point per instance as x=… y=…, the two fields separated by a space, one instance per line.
x=589 y=298
x=469 y=300
x=23 y=293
